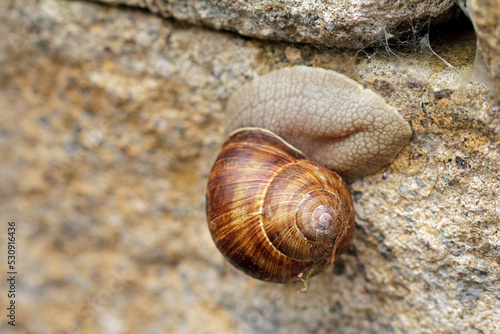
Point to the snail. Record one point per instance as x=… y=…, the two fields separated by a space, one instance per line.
x=277 y=206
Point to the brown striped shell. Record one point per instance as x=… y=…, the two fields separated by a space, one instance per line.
x=272 y=212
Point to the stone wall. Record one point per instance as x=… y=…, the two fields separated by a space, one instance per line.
x=110 y=121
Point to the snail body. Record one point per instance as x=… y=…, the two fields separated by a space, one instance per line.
x=273 y=212
x=334 y=120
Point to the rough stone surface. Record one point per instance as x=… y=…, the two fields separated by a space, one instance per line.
x=110 y=119
x=485 y=15
x=338 y=23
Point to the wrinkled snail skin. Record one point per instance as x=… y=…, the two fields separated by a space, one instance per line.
x=334 y=120
x=275 y=208
x=272 y=212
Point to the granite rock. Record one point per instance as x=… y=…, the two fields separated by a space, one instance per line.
x=343 y=24
x=110 y=119
x=485 y=15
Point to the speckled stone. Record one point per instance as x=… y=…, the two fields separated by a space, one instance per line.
x=344 y=24
x=485 y=14
x=110 y=119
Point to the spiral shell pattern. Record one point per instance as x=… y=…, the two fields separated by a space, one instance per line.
x=272 y=212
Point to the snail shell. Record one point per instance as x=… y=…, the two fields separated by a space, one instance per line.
x=272 y=212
